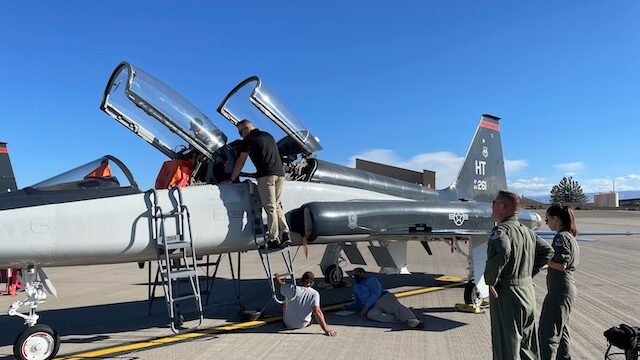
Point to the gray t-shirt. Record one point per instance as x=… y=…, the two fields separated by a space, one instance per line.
x=300 y=300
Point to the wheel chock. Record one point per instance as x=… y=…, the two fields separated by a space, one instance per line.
x=468 y=308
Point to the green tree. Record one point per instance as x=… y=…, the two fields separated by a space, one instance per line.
x=567 y=191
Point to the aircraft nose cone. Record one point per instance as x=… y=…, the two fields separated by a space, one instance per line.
x=537 y=222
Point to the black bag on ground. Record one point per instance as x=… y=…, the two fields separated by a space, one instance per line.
x=624 y=336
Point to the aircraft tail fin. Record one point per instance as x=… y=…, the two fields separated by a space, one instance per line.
x=482 y=173
x=7 y=180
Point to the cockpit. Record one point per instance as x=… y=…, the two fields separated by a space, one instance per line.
x=106 y=172
x=195 y=145
x=198 y=149
x=104 y=177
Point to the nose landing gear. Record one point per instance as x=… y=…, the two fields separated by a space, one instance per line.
x=37 y=341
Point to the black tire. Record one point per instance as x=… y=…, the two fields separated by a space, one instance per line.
x=37 y=342
x=471 y=294
x=333 y=275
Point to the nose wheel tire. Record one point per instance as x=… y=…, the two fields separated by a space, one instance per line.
x=39 y=342
x=472 y=295
x=333 y=275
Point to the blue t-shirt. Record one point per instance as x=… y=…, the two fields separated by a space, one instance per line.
x=366 y=293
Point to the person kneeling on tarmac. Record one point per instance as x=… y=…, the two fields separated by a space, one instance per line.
x=378 y=304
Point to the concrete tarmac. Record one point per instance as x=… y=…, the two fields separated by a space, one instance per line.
x=106 y=306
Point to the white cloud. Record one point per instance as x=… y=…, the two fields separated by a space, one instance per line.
x=447 y=164
x=512 y=166
x=570 y=169
x=622 y=183
x=444 y=163
x=541 y=186
x=383 y=156
x=530 y=187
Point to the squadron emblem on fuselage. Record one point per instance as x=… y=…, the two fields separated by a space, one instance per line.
x=458 y=218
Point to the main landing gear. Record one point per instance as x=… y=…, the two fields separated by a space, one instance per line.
x=37 y=341
x=333 y=275
x=472 y=294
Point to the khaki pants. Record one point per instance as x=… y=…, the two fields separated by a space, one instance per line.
x=389 y=309
x=270 y=190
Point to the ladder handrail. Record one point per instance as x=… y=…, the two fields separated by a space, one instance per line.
x=264 y=251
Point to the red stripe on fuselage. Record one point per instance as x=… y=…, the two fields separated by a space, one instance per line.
x=489 y=125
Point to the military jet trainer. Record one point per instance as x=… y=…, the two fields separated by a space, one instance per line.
x=97 y=214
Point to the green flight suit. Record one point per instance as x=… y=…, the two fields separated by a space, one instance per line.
x=514 y=254
x=553 y=330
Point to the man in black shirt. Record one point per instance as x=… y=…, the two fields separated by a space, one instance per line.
x=261 y=147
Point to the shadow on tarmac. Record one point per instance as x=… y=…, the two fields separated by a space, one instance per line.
x=93 y=324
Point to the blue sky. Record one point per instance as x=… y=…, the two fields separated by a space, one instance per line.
x=398 y=82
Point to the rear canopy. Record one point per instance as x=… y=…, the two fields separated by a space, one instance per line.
x=251 y=94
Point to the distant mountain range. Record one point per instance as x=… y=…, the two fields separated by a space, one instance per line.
x=630 y=194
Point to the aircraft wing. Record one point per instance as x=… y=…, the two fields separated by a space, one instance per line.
x=453 y=233
x=428 y=236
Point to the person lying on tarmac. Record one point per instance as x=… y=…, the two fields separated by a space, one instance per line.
x=301 y=302
x=378 y=304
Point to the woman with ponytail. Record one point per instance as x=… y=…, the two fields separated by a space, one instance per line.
x=561 y=289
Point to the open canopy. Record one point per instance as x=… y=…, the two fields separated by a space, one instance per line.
x=252 y=94
x=158 y=114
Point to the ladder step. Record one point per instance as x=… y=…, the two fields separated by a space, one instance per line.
x=174 y=269
x=173 y=238
x=185 y=297
x=168 y=215
x=180 y=274
x=177 y=245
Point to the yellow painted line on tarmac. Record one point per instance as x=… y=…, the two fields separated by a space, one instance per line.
x=100 y=353
x=426 y=290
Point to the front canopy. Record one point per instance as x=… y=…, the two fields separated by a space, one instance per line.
x=158 y=114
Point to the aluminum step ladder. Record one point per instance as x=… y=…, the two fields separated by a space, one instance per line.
x=260 y=236
x=176 y=256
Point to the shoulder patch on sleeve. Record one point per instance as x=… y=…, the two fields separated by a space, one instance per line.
x=496 y=233
x=558 y=240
